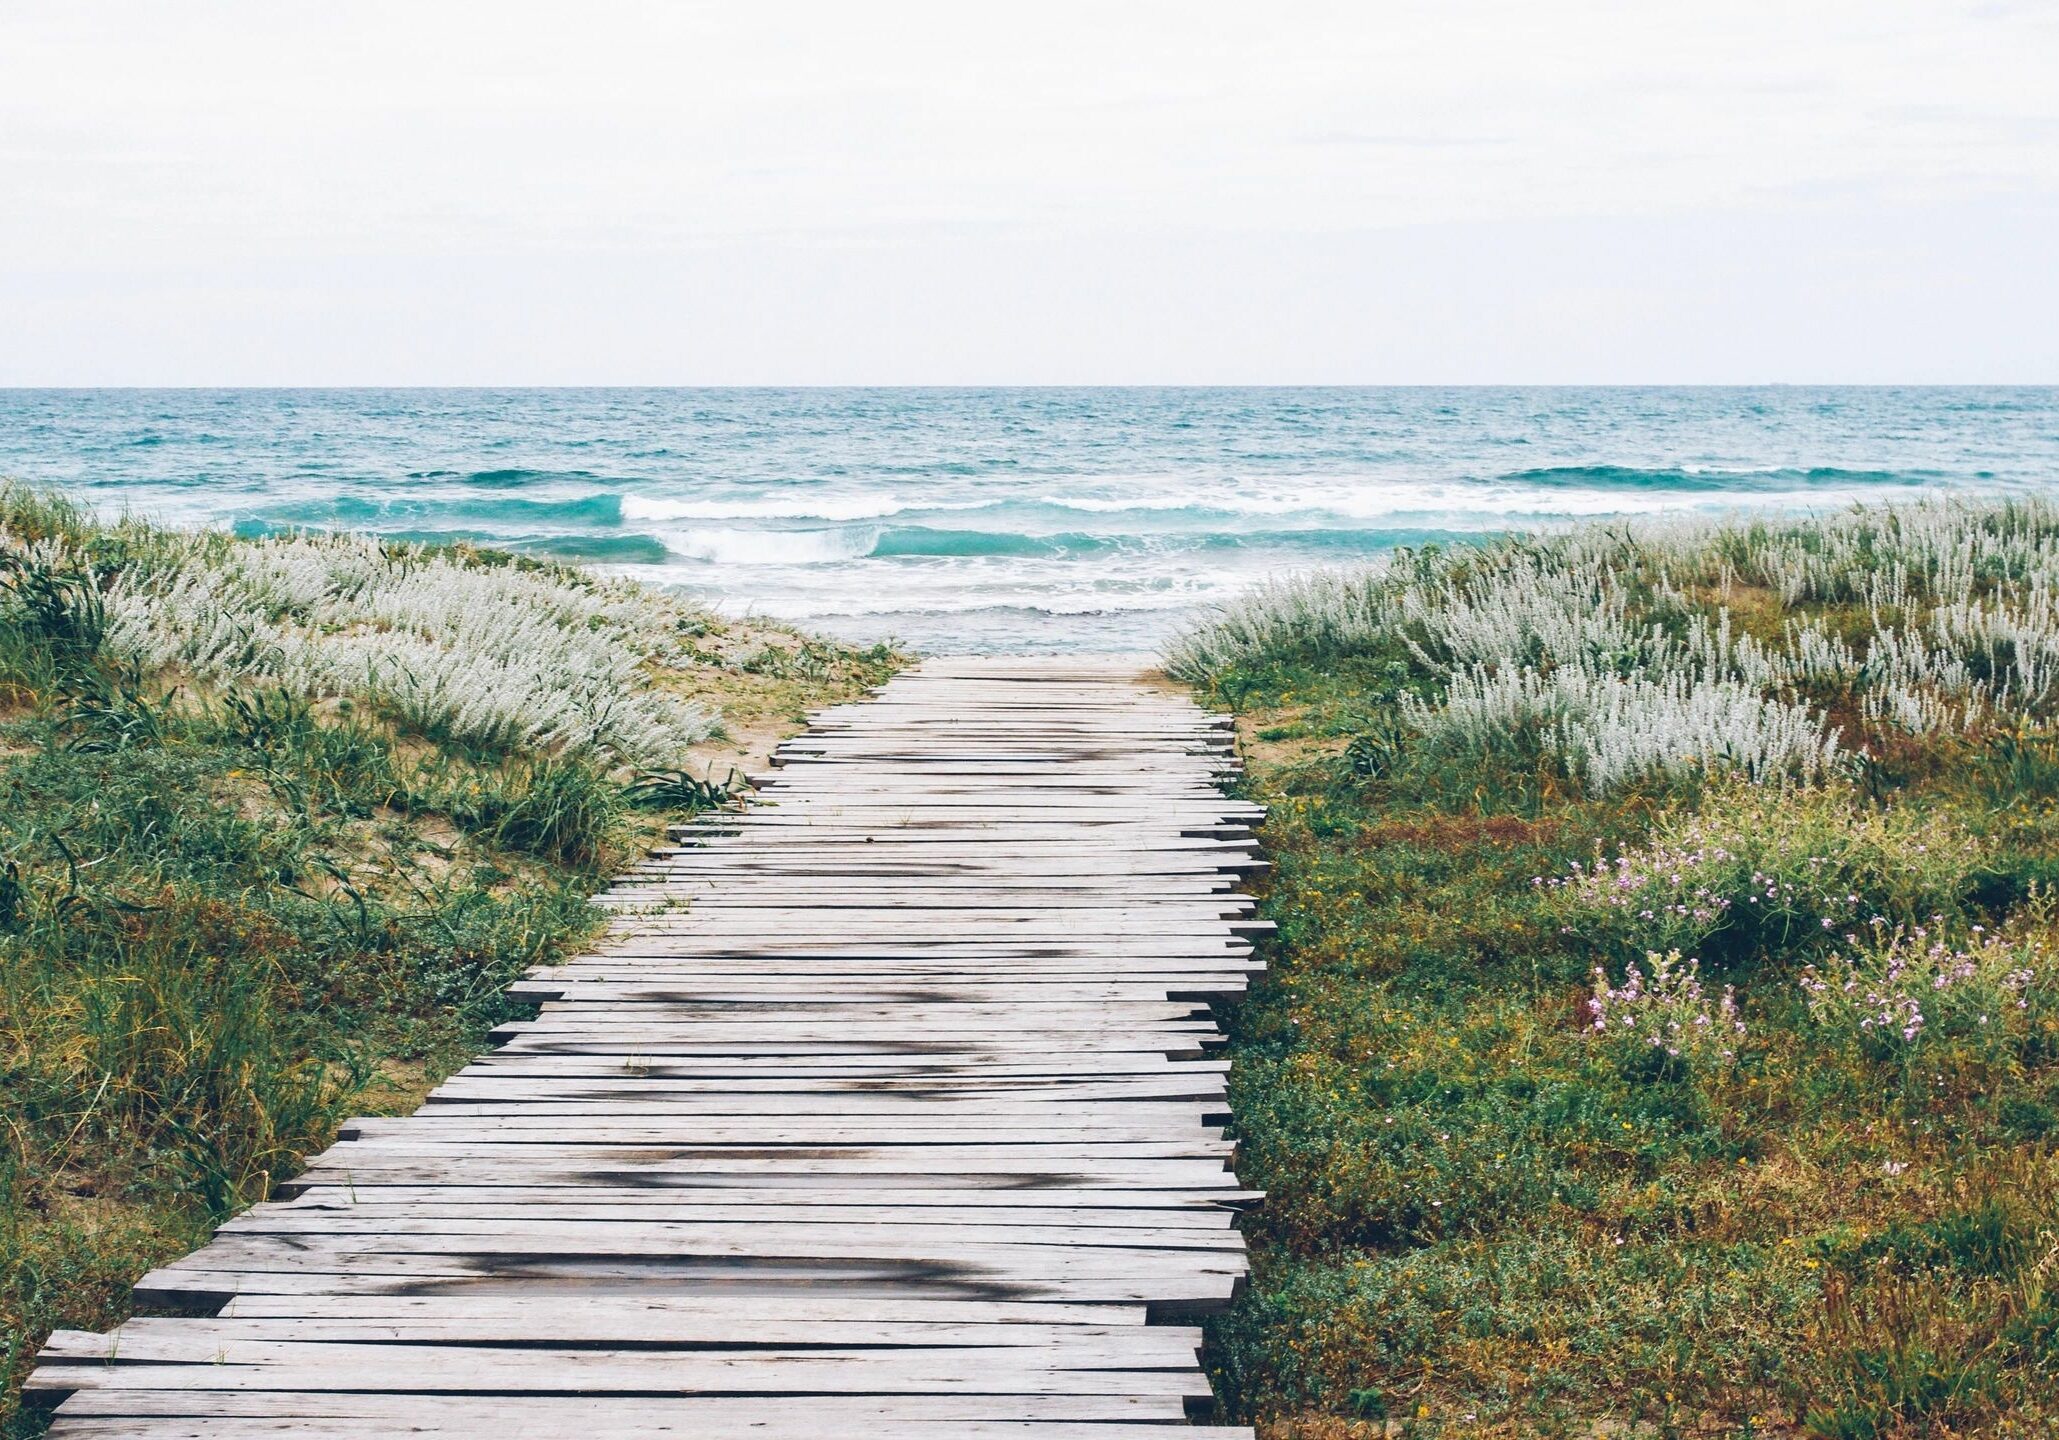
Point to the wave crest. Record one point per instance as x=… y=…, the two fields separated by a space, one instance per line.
x=844 y=508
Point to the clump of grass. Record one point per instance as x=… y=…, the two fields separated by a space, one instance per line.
x=684 y=791
x=552 y=808
x=280 y=869
x=1487 y=1217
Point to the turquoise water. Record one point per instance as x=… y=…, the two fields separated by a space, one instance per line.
x=1002 y=519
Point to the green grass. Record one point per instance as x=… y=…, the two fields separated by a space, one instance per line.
x=233 y=914
x=1486 y=1218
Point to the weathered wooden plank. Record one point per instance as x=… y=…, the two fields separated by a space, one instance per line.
x=721 y=1235
x=457 y=1370
x=889 y=1134
x=768 y=1424
x=962 y=1065
x=992 y=1204
x=618 y=987
x=1177 y=1292
x=169 y=1415
x=1026 y=1167
x=335 y=1210
x=826 y=1307
x=275 y=1341
x=688 y=1113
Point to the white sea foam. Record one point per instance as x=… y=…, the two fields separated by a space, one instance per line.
x=821 y=507
x=1455 y=505
x=969 y=599
x=1112 y=505
x=730 y=545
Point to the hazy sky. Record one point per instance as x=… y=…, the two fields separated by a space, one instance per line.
x=996 y=191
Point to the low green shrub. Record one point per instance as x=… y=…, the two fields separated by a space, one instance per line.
x=1894 y=991
x=1661 y=1023
x=1746 y=872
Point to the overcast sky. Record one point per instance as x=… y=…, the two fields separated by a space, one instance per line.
x=995 y=191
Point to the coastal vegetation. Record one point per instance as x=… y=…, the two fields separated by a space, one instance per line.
x=279 y=820
x=1662 y=1030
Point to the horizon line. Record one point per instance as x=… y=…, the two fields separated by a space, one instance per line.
x=14 y=386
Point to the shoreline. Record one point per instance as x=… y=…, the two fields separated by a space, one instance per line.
x=946 y=508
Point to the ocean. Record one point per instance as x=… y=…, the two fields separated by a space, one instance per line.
x=1003 y=519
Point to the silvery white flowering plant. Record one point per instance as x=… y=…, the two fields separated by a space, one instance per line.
x=507 y=655
x=1583 y=646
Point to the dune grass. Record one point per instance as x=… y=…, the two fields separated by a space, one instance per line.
x=279 y=820
x=1663 y=1031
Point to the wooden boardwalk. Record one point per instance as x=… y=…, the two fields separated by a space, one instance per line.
x=886 y=1109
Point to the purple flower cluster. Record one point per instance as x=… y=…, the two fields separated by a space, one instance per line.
x=1655 y=884
x=1666 y=1010
x=1680 y=893
x=1894 y=985
x=1781 y=866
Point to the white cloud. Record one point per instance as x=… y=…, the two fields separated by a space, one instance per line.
x=243 y=192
